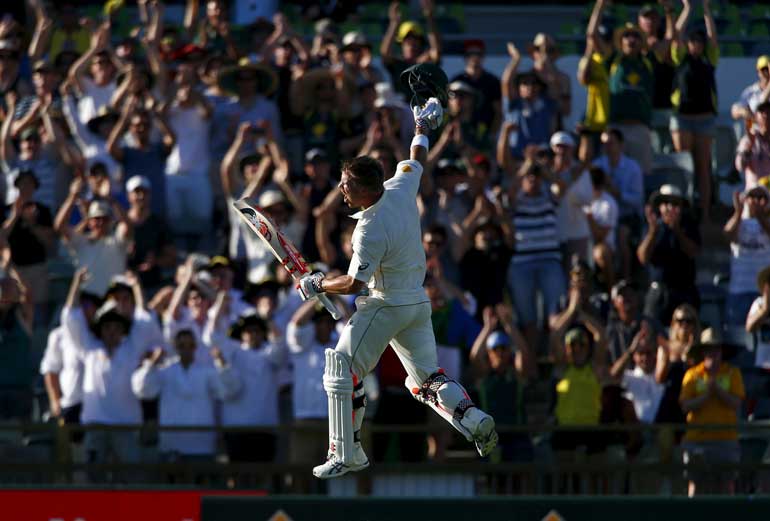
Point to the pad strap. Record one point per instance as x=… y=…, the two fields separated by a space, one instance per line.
x=429 y=391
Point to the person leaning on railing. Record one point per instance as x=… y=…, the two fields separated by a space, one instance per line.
x=712 y=393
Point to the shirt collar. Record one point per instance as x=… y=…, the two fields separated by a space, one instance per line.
x=366 y=211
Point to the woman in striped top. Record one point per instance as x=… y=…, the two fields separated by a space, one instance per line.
x=536 y=262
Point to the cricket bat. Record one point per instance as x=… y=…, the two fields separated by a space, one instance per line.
x=281 y=247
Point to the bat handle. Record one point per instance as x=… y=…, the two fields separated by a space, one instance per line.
x=330 y=307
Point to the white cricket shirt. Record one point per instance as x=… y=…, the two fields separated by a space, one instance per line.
x=186 y=398
x=387 y=242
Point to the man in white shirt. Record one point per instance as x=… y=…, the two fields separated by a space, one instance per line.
x=187 y=394
x=758 y=320
x=309 y=332
x=97 y=89
x=574 y=186
x=602 y=215
x=256 y=358
x=388 y=257
x=109 y=360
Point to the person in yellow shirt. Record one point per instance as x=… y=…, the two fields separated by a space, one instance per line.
x=712 y=392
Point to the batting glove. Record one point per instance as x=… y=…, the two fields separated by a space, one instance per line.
x=429 y=115
x=309 y=286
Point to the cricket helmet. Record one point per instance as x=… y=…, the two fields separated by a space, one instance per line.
x=426 y=80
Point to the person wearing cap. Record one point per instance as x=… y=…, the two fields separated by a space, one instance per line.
x=320 y=185
x=758 y=319
x=49 y=160
x=529 y=114
x=188 y=395
x=357 y=58
x=251 y=346
x=577 y=354
x=151 y=246
x=412 y=39
x=752 y=158
x=670 y=246
x=624 y=318
x=694 y=98
x=602 y=216
x=712 y=393
x=749 y=232
x=753 y=95
x=484 y=82
x=109 y=359
x=126 y=292
x=573 y=183
x=631 y=83
x=30 y=235
x=503 y=365
x=474 y=135
x=222 y=277
x=102 y=245
x=97 y=89
x=544 y=53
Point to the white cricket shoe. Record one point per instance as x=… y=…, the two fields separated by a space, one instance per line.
x=334 y=468
x=482 y=429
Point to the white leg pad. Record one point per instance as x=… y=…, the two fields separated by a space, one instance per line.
x=338 y=383
x=445 y=396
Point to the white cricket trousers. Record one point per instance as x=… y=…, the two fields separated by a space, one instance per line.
x=406 y=327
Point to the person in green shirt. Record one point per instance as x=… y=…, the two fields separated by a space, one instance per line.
x=694 y=97
x=503 y=363
x=631 y=82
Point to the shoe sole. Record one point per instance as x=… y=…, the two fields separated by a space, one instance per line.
x=346 y=470
x=486 y=437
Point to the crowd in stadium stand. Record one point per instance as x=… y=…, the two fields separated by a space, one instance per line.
x=550 y=262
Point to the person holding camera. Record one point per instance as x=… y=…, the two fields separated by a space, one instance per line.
x=669 y=249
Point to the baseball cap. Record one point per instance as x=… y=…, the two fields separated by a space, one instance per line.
x=498 y=339
x=474 y=46
x=409 y=28
x=136 y=182
x=620 y=287
x=575 y=334
x=271 y=197
x=28 y=133
x=461 y=86
x=316 y=154
x=648 y=10
x=99 y=209
x=562 y=138
x=763 y=61
x=42 y=65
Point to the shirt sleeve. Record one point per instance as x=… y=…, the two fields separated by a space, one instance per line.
x=688 y=386
x=368 y=251
x=736 y=384
x=147 y=381
x=53 y=359
x=678 y=52
x=299 y=338
x=408 y=174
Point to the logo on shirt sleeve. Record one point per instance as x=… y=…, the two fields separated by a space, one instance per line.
x=406 y=168
x=363 y=266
